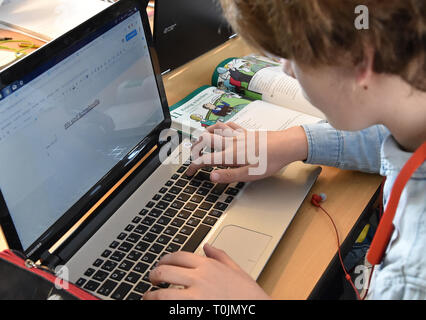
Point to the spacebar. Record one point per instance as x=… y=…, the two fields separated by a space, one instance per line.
x=196 y=238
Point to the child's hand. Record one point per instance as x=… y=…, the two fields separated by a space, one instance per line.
x=214 y=277
x=252 y=155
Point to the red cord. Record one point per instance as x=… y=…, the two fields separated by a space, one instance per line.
x=316 y=202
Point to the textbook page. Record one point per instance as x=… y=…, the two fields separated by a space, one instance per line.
x=260 y=115
x=280 y=89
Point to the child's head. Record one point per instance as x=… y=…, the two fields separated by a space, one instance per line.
x=345 y=71
x=209 y=106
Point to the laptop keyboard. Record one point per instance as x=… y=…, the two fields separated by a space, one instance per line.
x=178 y=217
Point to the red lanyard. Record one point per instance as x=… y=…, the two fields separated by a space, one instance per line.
x=385 y=229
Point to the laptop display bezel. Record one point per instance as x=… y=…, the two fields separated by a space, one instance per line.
x=36 y=60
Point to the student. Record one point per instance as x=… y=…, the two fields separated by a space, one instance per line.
x=371 y=85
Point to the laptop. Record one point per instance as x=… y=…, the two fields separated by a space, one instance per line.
x=84 y=123
x=186 y=29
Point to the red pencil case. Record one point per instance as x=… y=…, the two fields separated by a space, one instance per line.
x=22 y=279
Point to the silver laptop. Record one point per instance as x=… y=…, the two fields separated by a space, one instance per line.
x=82 y=184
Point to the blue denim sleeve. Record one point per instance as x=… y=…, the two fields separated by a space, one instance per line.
x=358 y=150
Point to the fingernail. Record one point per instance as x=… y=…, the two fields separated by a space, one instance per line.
x=214 y=176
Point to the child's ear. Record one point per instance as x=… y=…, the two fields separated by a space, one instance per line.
x=364 y=69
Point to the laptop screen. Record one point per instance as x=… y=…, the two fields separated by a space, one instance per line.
x=67 y=124
x=186 y=29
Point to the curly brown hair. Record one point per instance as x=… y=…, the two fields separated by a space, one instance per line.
x=323 y=32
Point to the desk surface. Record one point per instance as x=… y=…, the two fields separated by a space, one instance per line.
x=308 y=246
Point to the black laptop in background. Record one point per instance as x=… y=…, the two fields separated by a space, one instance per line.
x=186 y=29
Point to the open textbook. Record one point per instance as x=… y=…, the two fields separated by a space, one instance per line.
x=253 y=92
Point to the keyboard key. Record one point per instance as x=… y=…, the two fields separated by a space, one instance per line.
x=171 y=212
x=180 y=238
x=156 y=228
x=122 y=236
x=133 y=238
x=240 y=185
x=89 y=272
x=210 y=220
x=143 y=212
x=186 y=230
x=98 y=262
x=133 y=277
x=211 y=198
x=148 y=257
x=140 y=267
x=156 y=248
x=114 y=244
x=126 y=265
x=175 y=190
x=208 y=184
x=109 y=265
x=156 y=197
x=107 y=288
x=205 y=206
x=148 y=221
x=219 y=188
x=183 y=214
x=118 y=275
x=142 y=246
x=215 y=213
x=134 y=255
x=189 y=190
x=80 y=282
x=169 y=197
x=141 y=229
x=170 y=230
x=202 y=191
x=196 y=238
x=163 y=239
x=177 y=222
x=125 y=246
x=172 y=247
x=106 y=253
x=221 y=206
x=177 y=205
x=118 y=256
x=181 y=169
x=181 y=183
x=150 y=204
x=162 y=205
x=199 y=213
x=122 y=290
x=91 y=285
x=183 y=197
x=100 y=275
x=195 y=183
x=197 y=198
x=190 y=206
x=142 y=287
x=193 y=222
x=201 y=175
x=174 y=176
x=149 y=237
x=163 y=190
x=155 y=213
x=136 y=219
x=164 y=221
x=229 y=199
x=232 y=191
x=169 y=183
x=134 y=296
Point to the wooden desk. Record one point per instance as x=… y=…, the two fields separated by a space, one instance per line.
x=309 y=245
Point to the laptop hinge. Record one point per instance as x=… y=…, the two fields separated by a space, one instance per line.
x=49 y=260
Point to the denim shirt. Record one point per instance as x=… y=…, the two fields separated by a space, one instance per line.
x=402 y=273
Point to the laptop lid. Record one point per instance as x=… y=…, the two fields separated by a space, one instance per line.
x=74 y=117
x=185 y=29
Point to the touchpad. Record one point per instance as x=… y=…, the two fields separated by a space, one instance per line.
x=244 y=246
